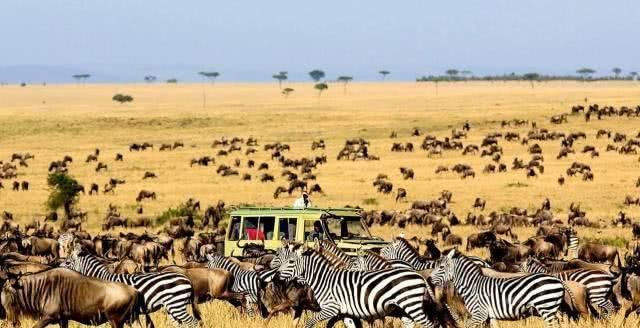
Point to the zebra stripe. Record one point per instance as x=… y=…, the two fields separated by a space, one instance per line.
x=170 y=290
x=245 y=281
x=364 y=295
x=598 y=283
x=400 y=249
x=572 y=249
x=488 y=298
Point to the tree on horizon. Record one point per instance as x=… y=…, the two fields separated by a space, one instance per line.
x=344 y=80
x=320 y=87
x=586 y=72
x=384 y=74
x=616 y=71
x=81 y=77
x=281 y=76
x=212 y=76
x=317 y=75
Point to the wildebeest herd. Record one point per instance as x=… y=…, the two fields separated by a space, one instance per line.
x=50 y=267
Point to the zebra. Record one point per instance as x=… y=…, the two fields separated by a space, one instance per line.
x=489 y=298
x=572 y=248
x=357 y=294
x=170 y=290
x=66 y=241
x=598 y=283
x=400 y=249
x=245 y=281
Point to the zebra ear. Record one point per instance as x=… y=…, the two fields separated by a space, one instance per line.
x=452 y=254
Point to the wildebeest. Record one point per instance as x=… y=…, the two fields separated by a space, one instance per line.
x=401 y=194
x=480 y=239
x=145 y=194
x=58 y=296
x=593 y=252
x=407 y=173
x=149 y=175
x=101 y=166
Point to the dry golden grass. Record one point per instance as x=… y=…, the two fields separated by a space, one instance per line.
x=54 y=120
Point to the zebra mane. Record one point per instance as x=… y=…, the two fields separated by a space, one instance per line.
x=334 y=259
x=331 y=247
x=312 y=252
x=408 y=245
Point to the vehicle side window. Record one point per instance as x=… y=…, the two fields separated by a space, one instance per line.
x=234 y=231
x=287 y=228
x=258 y=228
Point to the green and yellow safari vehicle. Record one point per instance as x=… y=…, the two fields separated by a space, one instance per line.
x=270 y=226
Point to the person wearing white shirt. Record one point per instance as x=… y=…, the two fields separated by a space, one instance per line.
x=302 y=202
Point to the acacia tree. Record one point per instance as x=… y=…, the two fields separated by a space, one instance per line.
x=64 y=191
x=452 y=73
x=81 y=77
x=287 y=91
x=616 y=71
x=320 y=87
x=384 y=74
x=317 y=75
x=344 y=80
x=150 y=78
x=465 y=74
x=210 y=75
x=585 y=72
x=281 y=76
x=531 y=77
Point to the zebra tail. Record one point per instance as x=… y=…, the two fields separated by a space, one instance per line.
x=570 y=308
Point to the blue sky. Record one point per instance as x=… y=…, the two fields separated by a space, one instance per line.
x=250 y=40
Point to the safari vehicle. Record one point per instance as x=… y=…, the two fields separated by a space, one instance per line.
x=269 y=226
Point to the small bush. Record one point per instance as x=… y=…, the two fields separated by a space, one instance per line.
x=612 y=241
x=122 y=98
x=181 y=210
x=517 y=185
x=370 y=201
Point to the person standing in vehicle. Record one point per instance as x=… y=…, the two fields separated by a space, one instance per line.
x=303 y=202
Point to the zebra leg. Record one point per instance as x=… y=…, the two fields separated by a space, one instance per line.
x=180 y=316
x=408 y=322
x=550 y=319
x=607 y=308
x=326 y=314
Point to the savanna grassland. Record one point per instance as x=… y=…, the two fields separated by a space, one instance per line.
x=56 y=120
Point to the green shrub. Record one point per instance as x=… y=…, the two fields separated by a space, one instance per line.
x=181 y=210
x=611 y=241
x=370 y=201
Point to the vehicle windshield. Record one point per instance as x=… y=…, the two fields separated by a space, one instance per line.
x=349 y=227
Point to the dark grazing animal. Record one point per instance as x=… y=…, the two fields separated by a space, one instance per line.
x=58 y=295
x=170 y=290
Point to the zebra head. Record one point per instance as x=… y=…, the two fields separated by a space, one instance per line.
x=392 y=250
x=66 y=241
x=72 y=261
x=283 y=254
x=444 y=272
x=293 y=268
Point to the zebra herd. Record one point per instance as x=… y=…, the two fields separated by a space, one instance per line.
x=396 y=282
x=399 y=282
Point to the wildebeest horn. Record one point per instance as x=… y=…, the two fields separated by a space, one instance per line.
x=238 y=244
